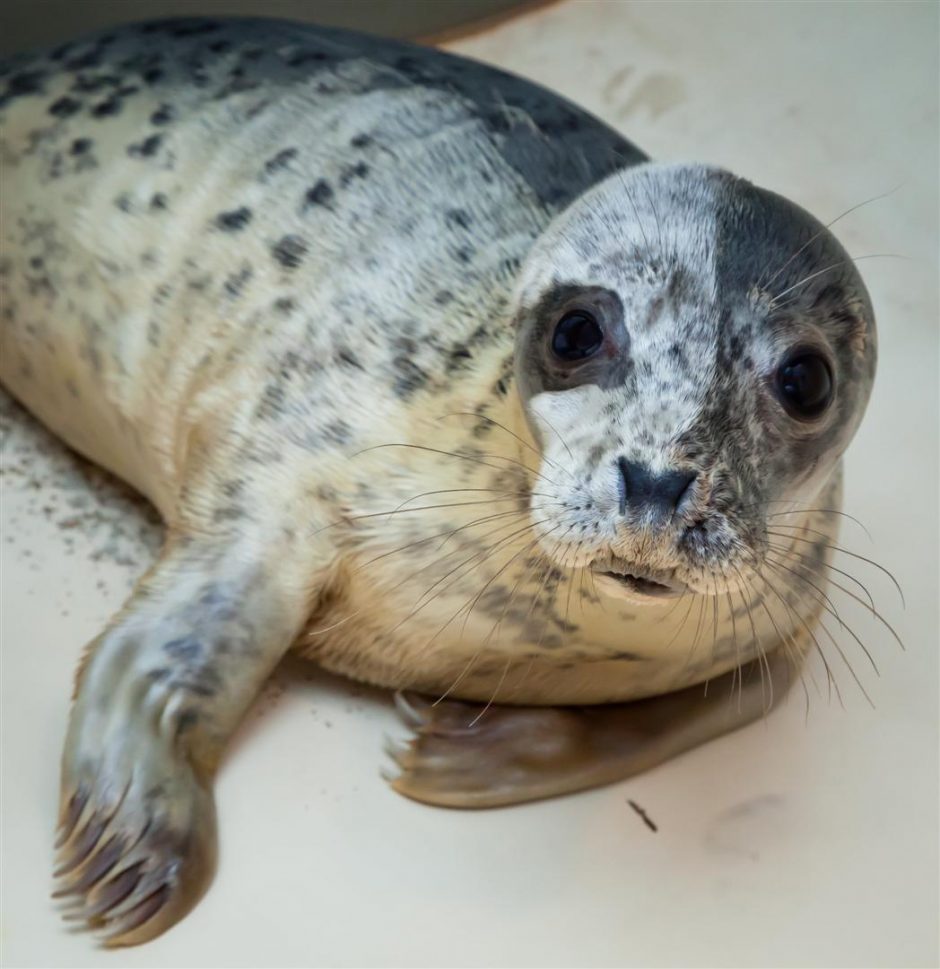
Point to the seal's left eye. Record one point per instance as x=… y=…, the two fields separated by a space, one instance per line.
x=804 y=382
x=577 y=335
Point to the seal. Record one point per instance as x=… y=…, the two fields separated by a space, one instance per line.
x=433 y=377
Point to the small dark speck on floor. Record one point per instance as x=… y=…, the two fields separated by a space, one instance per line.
x=647 y=820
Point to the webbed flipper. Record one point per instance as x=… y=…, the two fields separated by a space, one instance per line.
x=159 y=695
x=462 y=757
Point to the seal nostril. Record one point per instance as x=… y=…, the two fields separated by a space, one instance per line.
x=643 y=490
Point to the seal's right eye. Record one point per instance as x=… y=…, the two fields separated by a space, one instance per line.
x=804 y=382
x=577 y=336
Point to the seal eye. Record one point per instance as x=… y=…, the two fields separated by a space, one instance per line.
x=805 y=384
x=577 y=336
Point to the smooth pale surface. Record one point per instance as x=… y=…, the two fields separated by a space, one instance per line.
x=793 y=842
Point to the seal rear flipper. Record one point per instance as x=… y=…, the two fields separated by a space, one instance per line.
x=464 y=756
x=160 y=693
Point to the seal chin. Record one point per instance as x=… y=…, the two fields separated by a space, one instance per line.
x=637 y=585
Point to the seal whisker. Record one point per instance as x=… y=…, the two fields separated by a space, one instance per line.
x=817 y=511
x=503 y=427
x=745 y=592
x=446 y=535
x=823 y=230
x=793 y=553
x=831 y=609
x=838 y=548
x=492 y=699
x=473 y=599
x=737 y=674
x=869 y=607
x=473 y=658
x=481 y=556
x=832 y=684
x=462 y=457
x=836 y=265
x=786 y=642
x=500 y=491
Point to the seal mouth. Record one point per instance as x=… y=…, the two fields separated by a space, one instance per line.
x=643 y=586
x=640 y=584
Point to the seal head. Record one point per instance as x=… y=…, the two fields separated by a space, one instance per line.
x=693 y=353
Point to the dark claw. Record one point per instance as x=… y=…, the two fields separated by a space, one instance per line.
x=84 y=846
x=99 y=866
x=71 y=815
x=114 y=892
x=139 y=915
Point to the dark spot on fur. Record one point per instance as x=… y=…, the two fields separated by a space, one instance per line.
x=26 y=82
x=163 y=115
x=64 y=107
x=289 y=251
x=347 y=357
x=361 y=141
x=123 y=202
x=456 y=359
x=457 y=218
x=410 y=377
x=220 y=46
x=91 y=59
x=281 y=160
x=338 y=432
x=85 y=84
x=186 y=648
x=319 y=194
x=106 y=108
x=158 y=202
x=234 y=220
x=146 y=148
x=305 y=57
x=284 y=305
x=443 y=296
x=152 y=75
x=272 y=401
x=80 y=146
x=235 y=283
x=350 y=172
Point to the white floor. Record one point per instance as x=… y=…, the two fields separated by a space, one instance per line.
x=791 y=843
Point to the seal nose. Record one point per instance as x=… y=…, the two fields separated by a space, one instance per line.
x=644 y=491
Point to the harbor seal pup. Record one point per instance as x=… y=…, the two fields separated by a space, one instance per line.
x=435 y=378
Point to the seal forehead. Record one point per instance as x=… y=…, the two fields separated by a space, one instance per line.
x=639 y=226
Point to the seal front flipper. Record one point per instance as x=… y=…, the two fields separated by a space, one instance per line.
x=463 y=757
x=159 y=694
